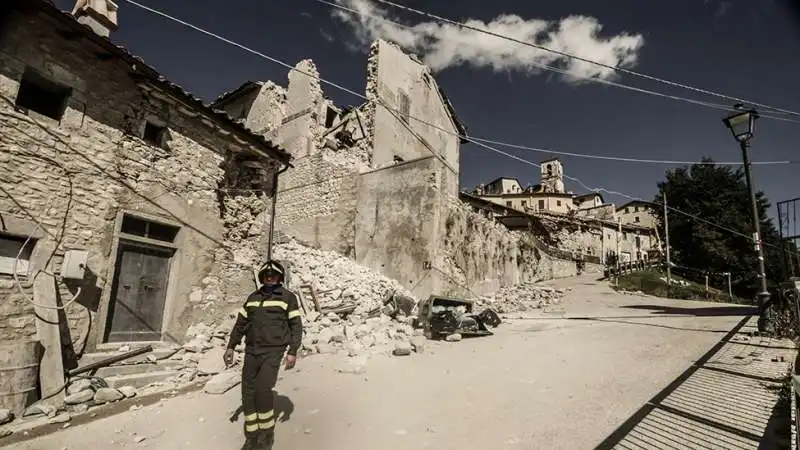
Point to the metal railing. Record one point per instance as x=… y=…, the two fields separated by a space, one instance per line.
x=640 y=265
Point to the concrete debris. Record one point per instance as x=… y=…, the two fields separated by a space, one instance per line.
x=338 y=280
x=522 y=297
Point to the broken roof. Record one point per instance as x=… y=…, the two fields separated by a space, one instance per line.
x=460 y=128
x=141 y=69
x=245 y=88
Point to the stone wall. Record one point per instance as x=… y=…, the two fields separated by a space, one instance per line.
x=317 y=203
x=477 y=255
x=67 y=181
x=598 y=238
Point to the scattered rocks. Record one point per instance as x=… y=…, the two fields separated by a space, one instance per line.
x=128 y=391
x=521 y=297
x=38 y=409
x=455 y=337
x=107 y=395
x=79 y=397
x=223 y=382
x=402 y=349
x=79 y=385
x=61 y=418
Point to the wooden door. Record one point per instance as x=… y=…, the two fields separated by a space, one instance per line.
x=139 y=294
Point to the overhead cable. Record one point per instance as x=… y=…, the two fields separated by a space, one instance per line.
x=362 y=96
x=586 y=60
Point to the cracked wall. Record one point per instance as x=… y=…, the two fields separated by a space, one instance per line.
x=91 y=165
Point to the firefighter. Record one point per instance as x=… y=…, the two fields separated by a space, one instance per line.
x=270 y=322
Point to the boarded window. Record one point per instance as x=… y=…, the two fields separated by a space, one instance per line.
x=10 y=247
x=404 y=106
x=37 y=93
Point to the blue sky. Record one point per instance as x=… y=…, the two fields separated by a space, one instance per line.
x=740 y=48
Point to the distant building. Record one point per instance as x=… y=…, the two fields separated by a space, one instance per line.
x=637 y=213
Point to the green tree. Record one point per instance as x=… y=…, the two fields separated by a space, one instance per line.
x=718 y=194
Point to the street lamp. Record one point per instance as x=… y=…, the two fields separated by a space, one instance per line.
x=741 y=124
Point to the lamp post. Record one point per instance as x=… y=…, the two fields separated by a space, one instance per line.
x=741 y=124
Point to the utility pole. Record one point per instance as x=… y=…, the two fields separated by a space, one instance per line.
x=666 y=242
x=730 y=291
x=763 y=296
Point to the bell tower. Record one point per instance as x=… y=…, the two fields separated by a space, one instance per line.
x=552 y=178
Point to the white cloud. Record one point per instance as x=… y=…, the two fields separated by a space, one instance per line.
x=443 y=45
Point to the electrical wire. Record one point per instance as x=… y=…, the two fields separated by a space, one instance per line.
x=559 y=70
x=15 y=273
x=362 y=96
x=392 y=110
x=586 y=60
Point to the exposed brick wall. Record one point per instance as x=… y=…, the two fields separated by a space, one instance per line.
x=94 y=146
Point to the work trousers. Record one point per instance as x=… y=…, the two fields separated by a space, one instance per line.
x=259 y=375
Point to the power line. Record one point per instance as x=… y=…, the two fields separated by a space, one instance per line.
x=350 y=91
x=626 y=159
x=586 y=60
x=559 y=70
x=393 y=110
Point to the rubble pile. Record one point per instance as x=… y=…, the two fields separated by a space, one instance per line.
x=522 y=297
x=336 y=279
x=353 y=336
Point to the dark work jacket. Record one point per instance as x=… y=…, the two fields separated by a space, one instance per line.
x=269 y=319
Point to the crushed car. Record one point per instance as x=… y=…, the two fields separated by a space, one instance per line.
x=440 y=317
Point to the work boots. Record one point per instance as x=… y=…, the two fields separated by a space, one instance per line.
x=264 y=441
x=251 y=443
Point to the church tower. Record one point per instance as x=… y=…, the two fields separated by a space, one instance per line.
x=552 y=176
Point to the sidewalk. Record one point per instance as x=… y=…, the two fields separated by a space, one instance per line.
x=729 y=399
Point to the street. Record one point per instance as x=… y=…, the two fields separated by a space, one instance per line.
x=566 y=378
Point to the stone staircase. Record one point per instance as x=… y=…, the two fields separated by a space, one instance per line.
x=138 y=371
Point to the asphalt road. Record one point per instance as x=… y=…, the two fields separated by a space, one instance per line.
x=563 y=378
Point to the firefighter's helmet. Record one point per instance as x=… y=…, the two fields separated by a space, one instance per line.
x=271 y=268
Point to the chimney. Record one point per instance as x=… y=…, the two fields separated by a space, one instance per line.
x=99 y=15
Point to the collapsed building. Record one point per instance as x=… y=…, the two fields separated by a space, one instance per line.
x=124 y=198
x=379 y=182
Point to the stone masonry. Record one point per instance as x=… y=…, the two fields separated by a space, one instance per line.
x=66 y=182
